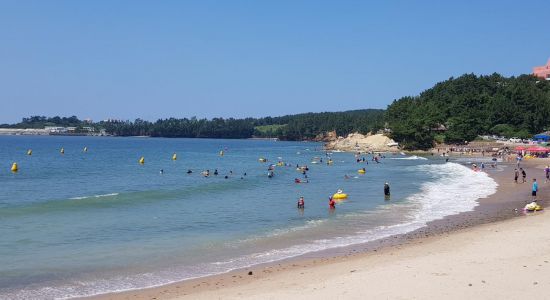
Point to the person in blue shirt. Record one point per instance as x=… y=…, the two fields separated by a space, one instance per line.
x=535 y=189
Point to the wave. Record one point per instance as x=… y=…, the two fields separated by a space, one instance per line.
x=455 y=189
x=414 y=157
x=280 y=232
x=95 y=196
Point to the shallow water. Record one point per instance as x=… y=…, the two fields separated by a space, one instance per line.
x=84 y=223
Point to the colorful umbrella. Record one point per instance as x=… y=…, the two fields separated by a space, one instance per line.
x=537 y=149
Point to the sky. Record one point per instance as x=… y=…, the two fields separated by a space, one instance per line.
x=159 y=59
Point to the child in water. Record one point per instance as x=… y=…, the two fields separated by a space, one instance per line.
x=301 y=203
x=386 y=189
x=331 y=203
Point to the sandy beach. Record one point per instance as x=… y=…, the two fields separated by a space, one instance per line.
x=493 y=252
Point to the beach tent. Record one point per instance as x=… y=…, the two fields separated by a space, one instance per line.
x=542 y=137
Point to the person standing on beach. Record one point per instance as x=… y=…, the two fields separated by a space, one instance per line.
x=516 y=175
x=524 y=175
x=535 y=189
x=547 y=174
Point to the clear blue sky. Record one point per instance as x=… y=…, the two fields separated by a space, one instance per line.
x=157 y=59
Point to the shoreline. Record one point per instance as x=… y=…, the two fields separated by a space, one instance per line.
x=491 y=210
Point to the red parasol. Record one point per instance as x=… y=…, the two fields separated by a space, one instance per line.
x=537 y=149
x=520 y=148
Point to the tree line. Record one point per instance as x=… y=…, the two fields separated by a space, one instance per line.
x=460 y=109
x=290 y=127
x=456 y=110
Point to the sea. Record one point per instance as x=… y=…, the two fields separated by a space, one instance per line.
x=90 y=222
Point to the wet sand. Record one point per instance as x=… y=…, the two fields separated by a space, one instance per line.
x=495 y=251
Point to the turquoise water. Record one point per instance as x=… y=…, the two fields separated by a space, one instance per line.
x=84 y=223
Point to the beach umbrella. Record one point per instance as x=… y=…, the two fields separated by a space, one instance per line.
x=521 y=148
x=537 y=149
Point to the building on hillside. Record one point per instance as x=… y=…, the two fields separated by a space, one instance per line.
x=543 y=71
x=55 y=129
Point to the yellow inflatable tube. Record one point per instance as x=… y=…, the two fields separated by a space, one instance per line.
x=361 y=171
x=339 y=196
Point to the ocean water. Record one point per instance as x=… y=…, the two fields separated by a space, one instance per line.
x=86 y=223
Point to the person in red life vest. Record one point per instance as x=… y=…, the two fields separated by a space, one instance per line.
x=331 y=203
x=301 y=203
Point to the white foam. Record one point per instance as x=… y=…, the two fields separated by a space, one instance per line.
x=414 y=157
x=94 y=196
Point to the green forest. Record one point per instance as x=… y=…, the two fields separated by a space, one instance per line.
x=454 y=111
x=291 y=127
x=460 y=109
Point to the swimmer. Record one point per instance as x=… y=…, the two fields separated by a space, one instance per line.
x=386 y=189
x=346 y=176
x=216 y=172
x=226 y=177
x=301 y=203
x=161 y=171
x=331 y=203
x=297 y=180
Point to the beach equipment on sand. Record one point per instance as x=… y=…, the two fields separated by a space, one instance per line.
x=14 y=167
x=533 y=206
x=142 y=160
x=174 y=157
x=29 y=152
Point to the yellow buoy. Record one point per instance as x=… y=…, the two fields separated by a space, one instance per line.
x=14 y=167
x=142 y=160
x=85 y=149
x=62 y=151
x=29 y=152
x=174 y=157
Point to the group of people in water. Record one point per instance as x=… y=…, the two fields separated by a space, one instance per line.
x=303 y=170
x=332 y=203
